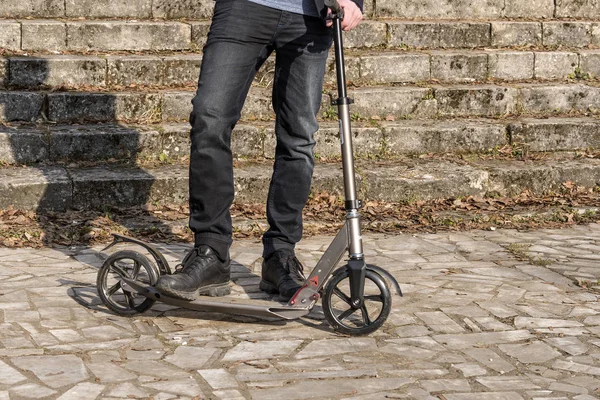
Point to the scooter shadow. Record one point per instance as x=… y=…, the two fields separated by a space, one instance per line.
x=244 y=285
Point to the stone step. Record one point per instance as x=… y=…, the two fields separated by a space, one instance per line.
x=57 y=35
x=60 y=188
x=30 y=145
x=364 y=68
x=381 y=102
x=445 y=9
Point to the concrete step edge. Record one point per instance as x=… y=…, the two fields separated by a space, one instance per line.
x=51 y=34
x=374 y=102
x=61 y=188
x=93 y=72
x=168 y=143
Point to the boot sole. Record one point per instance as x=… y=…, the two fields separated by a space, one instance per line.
x=215 y=290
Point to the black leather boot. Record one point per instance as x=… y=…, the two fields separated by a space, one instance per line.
x=282 y=273
x=202 y=273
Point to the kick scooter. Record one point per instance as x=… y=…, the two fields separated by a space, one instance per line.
x=356 y=298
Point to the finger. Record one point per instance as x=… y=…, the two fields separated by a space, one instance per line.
x=352 y=23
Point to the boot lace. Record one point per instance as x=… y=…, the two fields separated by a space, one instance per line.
x=187 y=260
x=294 y=267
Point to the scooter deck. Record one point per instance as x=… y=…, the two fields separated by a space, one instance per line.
x=222 y=304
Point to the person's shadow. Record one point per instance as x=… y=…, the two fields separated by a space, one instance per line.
x=69 y=154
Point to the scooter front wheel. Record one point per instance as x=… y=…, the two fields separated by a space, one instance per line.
x=125 y=264
x=355 y=321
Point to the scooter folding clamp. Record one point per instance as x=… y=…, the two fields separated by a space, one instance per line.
x=353 y=204
x=342 y=101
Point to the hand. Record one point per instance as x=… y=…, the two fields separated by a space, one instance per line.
x=352 y=15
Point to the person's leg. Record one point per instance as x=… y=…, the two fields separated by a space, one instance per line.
x=302 y=50
x=237 y=45
x=301 y=47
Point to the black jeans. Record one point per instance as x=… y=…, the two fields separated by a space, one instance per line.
x=241 y=37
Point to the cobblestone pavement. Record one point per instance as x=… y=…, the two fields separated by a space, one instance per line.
x=498 y=312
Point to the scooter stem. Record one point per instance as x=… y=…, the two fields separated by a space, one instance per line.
x=355 y=247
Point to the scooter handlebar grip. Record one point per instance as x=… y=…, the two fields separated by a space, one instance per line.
x=333 y=5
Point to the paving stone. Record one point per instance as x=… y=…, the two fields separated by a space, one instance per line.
x=458 y=341
x=446 y=385
x=219 y=378
x=492 y=324
x=190 y=357
x=571 y=345
x=527 y=353
x=229 y=394
x=261 y=350
x=32 y=391
x=128 y=390
x=500 y=383
x=337 y=346
x=44 y=339
x=155 y=369
x=423 y=342
x=564 y=331
x=593 y=320
x=66 y=335
x=307 y=389
x=187 y=387
x=84 y=390
x=144 y=355
x=254 y=379
x=409 y=352
x=54 y=371
x=14 y=306
x=420 y=373
x=104 y=356
x=440 y=322
x=530 y=323
x=490 y=359
x=9 y=375
x=106 y=332
x=562 y=387
x=584 y=397
x=109 y=372
x=488 y=395
x=467 y=311
x=470 y=369
x=576 y=367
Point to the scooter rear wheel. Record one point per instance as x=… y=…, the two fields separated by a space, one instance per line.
x=125 y=264
x=349 y=320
